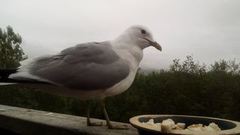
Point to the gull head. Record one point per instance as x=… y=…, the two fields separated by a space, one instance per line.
x=140 y=36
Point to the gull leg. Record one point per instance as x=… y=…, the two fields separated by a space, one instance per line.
x=89 y=123
x=109 y=124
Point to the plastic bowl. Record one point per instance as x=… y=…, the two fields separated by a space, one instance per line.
x=228 y=127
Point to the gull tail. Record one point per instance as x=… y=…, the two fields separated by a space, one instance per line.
x=6 y=80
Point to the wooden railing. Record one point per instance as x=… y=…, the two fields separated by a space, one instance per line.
x=34 y=122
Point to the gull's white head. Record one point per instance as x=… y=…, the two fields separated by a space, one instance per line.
x=140 y=36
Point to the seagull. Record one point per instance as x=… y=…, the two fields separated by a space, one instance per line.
x=90 y=71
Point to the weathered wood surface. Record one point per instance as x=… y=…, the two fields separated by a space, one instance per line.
x=35 y=122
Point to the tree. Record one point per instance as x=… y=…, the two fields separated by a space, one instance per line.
x=187 y=66
x=230 y=66
x=11 y=52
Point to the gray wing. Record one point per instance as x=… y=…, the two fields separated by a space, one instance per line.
x=86 y=66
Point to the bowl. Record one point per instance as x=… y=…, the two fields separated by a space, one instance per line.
x=228 y=127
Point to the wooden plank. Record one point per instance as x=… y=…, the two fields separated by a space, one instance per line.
x=29 y=122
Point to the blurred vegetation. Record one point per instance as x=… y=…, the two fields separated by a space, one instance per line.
x=11 y=52
x=186 y=88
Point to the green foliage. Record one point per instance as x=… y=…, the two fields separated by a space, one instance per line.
x=226 y=66
x=187 y=88
x=188 y=66
x=10 y=51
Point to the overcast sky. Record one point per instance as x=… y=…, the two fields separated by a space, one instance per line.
x=208 y=30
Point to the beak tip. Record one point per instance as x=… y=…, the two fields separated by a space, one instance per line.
x=154 y=44
x=160 y=49
x=157 y=46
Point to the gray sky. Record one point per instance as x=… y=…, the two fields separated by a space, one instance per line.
x=207 y=29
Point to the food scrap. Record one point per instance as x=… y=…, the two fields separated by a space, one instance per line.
x=169 y=125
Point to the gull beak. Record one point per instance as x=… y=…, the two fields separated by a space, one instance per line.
x=157 y=46
x=154 y=44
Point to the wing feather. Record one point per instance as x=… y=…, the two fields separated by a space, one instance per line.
x=88 y=66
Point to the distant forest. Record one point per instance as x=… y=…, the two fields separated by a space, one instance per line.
x=187 y=87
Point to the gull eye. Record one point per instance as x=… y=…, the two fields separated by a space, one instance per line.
x=143 y=31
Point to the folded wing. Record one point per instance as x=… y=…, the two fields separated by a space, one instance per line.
x=88 y=66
